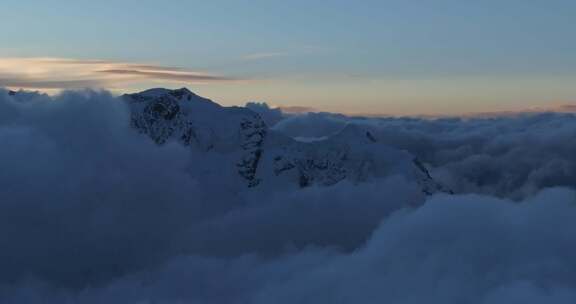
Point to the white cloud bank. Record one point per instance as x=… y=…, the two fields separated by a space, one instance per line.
x=460 y=249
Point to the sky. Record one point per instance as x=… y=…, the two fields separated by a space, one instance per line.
x=369 y=57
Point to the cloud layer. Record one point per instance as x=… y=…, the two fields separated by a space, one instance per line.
x=92 y=212
x=509 y=155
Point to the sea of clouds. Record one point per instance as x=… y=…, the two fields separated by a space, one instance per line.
x=512 y=156
x=93 y=212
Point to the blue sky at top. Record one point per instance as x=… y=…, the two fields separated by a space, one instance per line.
x=371 y=56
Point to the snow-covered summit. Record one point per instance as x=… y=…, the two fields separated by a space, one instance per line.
x=235 y=148
x=180 y=94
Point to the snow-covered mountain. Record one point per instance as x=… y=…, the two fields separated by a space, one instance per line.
x=233 y=146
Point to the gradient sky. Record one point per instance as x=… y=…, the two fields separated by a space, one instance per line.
x=373 y=57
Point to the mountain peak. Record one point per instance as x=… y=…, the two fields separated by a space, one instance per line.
x=160 y=92
x=175 y=96
x=240 y=146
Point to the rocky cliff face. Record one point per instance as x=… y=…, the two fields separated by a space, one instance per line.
x=201 y=124
x=235 y=141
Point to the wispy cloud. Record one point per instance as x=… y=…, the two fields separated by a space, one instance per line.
x=65 y=73
x=294 y=51
x=264 y=55
x=168 y=75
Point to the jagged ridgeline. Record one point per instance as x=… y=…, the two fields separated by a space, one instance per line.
x=233 y=145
